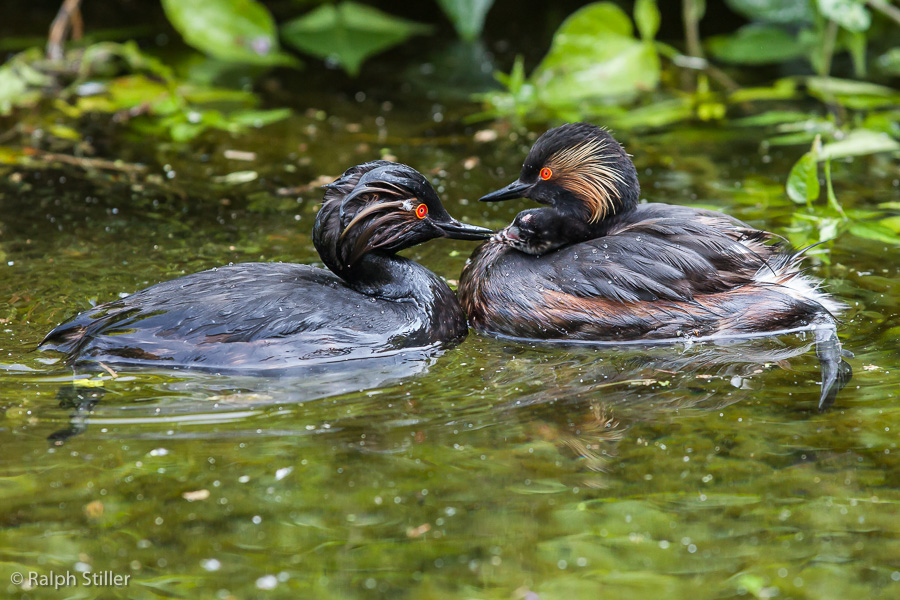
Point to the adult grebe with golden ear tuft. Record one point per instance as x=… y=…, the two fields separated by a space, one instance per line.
x=595 y=265
x=263 y=316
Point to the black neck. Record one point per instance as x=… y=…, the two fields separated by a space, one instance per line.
x=376 y=273
x=562 y=228
x=388 y=276
x=392 y=277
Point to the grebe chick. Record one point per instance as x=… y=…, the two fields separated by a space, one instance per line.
x=262 y=316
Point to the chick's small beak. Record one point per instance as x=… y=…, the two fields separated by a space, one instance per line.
x=516 y=189
x=462 y=231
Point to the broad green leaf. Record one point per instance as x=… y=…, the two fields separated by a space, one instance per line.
x=19 y=81
x=859 y=142
x=774 y=11
x=829 y=228
x=892 y=223
x=859 y=95
x=259 y=118
x=874 y=231
x=348 y=33
x=782 y=89
x=755 y=45
x=467 y=16
x=647 y=17
x=772 y=117
x=239 y=31
x=658 y=114
x=849 y=14
x=791 y=139
x=803 y=182
x=202 y=94
x=595 y=55
x=136 y=90
x=835 y=85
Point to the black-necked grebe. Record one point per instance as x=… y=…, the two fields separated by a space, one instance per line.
x=273 y=316
x=596 y=265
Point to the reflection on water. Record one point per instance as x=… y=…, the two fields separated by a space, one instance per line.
x=585 y=386
x=498 y=470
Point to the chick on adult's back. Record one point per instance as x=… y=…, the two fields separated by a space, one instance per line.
x=595 y=265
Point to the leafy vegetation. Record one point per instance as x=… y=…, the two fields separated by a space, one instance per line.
x=347 y=33
x=815 y=72
x=598 y=68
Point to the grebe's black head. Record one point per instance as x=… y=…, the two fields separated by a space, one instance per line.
x=580 y=170
x=541 y=230
x=385 y=207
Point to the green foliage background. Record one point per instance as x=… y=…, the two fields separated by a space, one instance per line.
x=817 y=74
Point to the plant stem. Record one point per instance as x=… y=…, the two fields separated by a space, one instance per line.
x=886 y=8
x=691 y=29
x=832 y=198
x=828 y=47
x=693 y=47
x=69 y=16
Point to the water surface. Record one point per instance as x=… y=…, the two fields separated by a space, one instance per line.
x=496 y=470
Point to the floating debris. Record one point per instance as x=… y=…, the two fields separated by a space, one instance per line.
x=486 y=135
x=237 y=177
x=240 y=155
x=196 y=495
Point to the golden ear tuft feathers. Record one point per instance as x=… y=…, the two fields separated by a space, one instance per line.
x=583 y=171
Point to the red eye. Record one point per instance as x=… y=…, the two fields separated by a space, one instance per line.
x=546 y=173
x=421 y=211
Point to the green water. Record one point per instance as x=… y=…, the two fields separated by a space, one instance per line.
x=494 y=471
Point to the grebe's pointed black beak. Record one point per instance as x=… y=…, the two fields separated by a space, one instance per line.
x=462 y=231
x=516 y=189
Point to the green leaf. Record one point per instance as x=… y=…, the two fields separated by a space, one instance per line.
x=772 y=117
x=467 y=16
x=595 y=55
x=849 y=14
x=859 y=95
x=859 y=142
x=259 y=118
x=803 y=182
x=783 y=89
x=874 y=231
x=646 y=15
x=892 y=223
x=756 y=45
x=834 y=85
x=773 y=11
x=348 y=33
x=792 y=139
x=856 y=45
x=658 y=114
x=832 y=198
x=240 y=31
x=889 y=62
x=19 y=80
